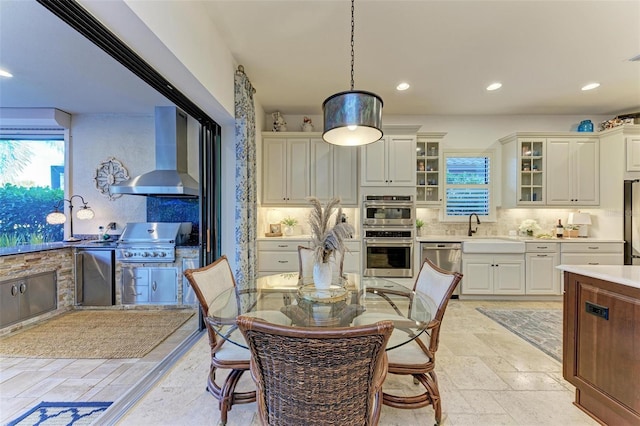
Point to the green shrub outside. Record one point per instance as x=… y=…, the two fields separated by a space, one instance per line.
x=23 y=212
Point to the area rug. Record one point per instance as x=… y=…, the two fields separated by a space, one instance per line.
x=540 y=327
x=61 y=413
x=95 y=334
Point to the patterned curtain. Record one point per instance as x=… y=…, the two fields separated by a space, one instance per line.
x=246 y=211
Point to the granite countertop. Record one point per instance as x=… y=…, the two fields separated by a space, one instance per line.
x=628 y=275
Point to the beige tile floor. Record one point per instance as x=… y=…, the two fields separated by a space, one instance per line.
x=487 y=376
x=24 y=382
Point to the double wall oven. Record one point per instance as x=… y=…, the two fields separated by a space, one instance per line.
x=388 y=231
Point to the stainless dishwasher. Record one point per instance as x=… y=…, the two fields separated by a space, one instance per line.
x=445 y=255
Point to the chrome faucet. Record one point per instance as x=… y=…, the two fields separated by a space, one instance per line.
x=473 y=231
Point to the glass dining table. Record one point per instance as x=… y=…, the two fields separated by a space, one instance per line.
x=285 y=299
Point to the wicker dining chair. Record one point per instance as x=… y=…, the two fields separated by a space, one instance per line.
x=418 y=358
x=317 y=376
x=306 y=261
x=208 y=282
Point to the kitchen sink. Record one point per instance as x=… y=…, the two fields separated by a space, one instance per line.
x=492 y=245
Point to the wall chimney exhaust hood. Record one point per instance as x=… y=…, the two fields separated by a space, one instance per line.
x=170 y=177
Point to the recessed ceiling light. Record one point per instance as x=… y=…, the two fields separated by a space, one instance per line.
x=590 y=86
x=5 y=73
x=494 y=86
x=402 y=86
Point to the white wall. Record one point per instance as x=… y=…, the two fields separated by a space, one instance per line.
x=128 y=138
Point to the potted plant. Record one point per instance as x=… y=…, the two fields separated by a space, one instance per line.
x=529 y=226
x=289 y=222
x=419 y=225
x=327 y=237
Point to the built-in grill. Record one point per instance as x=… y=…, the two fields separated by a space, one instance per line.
x=148 y=242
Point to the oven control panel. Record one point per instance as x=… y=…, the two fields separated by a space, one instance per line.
x=381 y=233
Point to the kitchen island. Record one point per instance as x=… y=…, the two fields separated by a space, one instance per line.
x=601 y=340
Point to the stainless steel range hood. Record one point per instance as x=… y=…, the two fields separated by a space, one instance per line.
x=170 y=178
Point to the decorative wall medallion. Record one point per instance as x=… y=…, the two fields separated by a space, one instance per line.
x=110 y=171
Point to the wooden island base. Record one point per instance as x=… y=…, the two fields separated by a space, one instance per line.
x=601 y=348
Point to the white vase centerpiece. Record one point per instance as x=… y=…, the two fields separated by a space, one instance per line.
x=327 y=238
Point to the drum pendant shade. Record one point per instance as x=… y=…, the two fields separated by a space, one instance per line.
x=352 y=118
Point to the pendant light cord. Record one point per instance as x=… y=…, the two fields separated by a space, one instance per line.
x=352 y=43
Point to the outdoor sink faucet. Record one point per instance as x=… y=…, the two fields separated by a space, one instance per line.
x=473 y=231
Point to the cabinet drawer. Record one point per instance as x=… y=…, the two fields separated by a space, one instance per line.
x=541 y=247
x=592 y=259
x=281 y=245
x=592 y=248
x=278 y=261
x=352 y=246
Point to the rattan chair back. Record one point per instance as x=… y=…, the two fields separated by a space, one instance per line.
x=317 y=376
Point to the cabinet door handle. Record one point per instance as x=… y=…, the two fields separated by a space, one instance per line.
x=541 y=255
x=14 y=290
x=23 y=288
x=541 y=247
x=283 y=261
x=154 y=286
x=593 y=263
x=283 y=245
x=594 y=248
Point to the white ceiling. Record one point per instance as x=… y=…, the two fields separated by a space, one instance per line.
x=297 y=53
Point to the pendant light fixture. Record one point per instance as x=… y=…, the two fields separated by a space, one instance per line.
x=354 y=117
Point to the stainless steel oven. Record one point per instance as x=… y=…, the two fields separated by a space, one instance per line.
x=388 y=210
x=388 y=252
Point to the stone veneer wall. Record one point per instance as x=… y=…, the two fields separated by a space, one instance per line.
x=22 y=265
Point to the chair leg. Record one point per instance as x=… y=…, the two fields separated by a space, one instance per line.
x=431 y=396
x=226 y=394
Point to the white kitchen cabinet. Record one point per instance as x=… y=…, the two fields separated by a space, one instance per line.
x=592 y=253
x=285 y=170
x=334 y=172
x=389 y=162
x=542 y=277
x=573 y=171
x=493 y=274
x=523 y=171
x=429 y=169
x=281 y=255
x=633 y=153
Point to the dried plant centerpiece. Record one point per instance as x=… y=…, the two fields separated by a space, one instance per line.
x=327 y=237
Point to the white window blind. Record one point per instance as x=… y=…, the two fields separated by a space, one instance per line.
x=467 y=185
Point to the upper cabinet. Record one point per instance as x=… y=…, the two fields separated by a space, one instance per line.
x=334 y=172
x=285 y=169
x=573 y=171
x=391 y=161
x=297 y=165
x=428 y=169
x=547 y=169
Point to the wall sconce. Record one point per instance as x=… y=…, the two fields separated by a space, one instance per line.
x=581 y=219
x=56 y=217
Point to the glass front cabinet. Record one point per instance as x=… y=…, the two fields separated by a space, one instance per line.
x=429 y=169
x=523 y=171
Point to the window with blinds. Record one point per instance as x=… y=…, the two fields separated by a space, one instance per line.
x=467 y=185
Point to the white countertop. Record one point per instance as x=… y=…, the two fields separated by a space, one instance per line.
x=628 y=275
x=460 y=238
x=302 y=237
